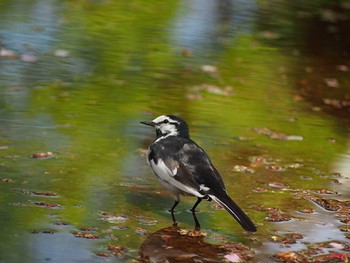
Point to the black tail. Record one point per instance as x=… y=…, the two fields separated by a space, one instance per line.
x=230 y=206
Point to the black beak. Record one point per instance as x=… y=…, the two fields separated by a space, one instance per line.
x=148 y=123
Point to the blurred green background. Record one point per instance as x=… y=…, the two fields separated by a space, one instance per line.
x=266 y=79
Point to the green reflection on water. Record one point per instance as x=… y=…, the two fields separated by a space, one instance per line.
x=122 y=67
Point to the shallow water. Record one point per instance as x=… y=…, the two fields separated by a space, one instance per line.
x=263 y=93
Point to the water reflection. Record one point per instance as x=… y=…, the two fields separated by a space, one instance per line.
x=342 y=175
x=85 y=108
x=205 y=27
x=28 y=29
x=173 y=244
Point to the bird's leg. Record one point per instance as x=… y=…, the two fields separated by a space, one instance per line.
x=193 y=210
x=172 y=210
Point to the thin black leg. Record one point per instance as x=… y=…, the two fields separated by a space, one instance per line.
x=193 y=210
x=172 y=210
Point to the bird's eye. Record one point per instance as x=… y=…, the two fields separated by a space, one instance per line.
x=165 y=121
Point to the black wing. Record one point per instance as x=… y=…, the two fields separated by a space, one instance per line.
x=188 y=164
x=198 y=167
x=192 y=171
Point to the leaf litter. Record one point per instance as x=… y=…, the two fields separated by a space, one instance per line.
x=174 y=244
x=277 y=135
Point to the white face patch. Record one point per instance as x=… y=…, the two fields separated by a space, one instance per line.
x=161 y=119
x=167 y=128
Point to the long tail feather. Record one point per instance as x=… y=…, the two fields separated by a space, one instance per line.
x=230 y=206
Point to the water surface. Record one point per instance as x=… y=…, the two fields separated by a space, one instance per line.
x=263 y=93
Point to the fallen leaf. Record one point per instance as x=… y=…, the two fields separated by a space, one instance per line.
x=46 y=205
x=209 y=69
x=277 y=135
x=6 y=180
x=44 y=193
x=277 y=217
x=46 y=231
x=7 y=53
x=278 y=185
x=185 y=52
x=116 y=250
x=286 y=239
x=328 y=204
x=343 y=68
x=61 y=53
x=324 y=192
x=86 y=235
x=290 y=257
x=260 y=190
x=332 y=83
x=233 y=257
x=102 y=254
x=336 y=257
x=306 y=211
x=43 y=155
x=336 y=245
x=243 y=169
x=29 y=58
x=275 y=168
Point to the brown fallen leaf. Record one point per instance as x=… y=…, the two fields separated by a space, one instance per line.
x=6 y=180
x=277 y=217
x=345 y=228
x=46 y=205
x=61 y=223
x=290 y=257
x=277 y=135
x=42 y=155
x=265 y=209
x=86 y=235
x=260 y=190
x=88 y=229
x=46 y=231
x=290 y=238
x=275 y=168
x=328 y=258
x=102 y=254
x=243 y=169
x=306 y=211
x=116 y=250
x=44 y=193
x=328 y=204
x=324 y=192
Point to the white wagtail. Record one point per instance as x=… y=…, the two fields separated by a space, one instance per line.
x=185 y=168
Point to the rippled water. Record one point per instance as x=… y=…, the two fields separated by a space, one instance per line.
x=263 y=93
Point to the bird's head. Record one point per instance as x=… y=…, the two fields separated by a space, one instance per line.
x=169 y=125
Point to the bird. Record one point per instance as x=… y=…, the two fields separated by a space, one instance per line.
x=184 y=168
